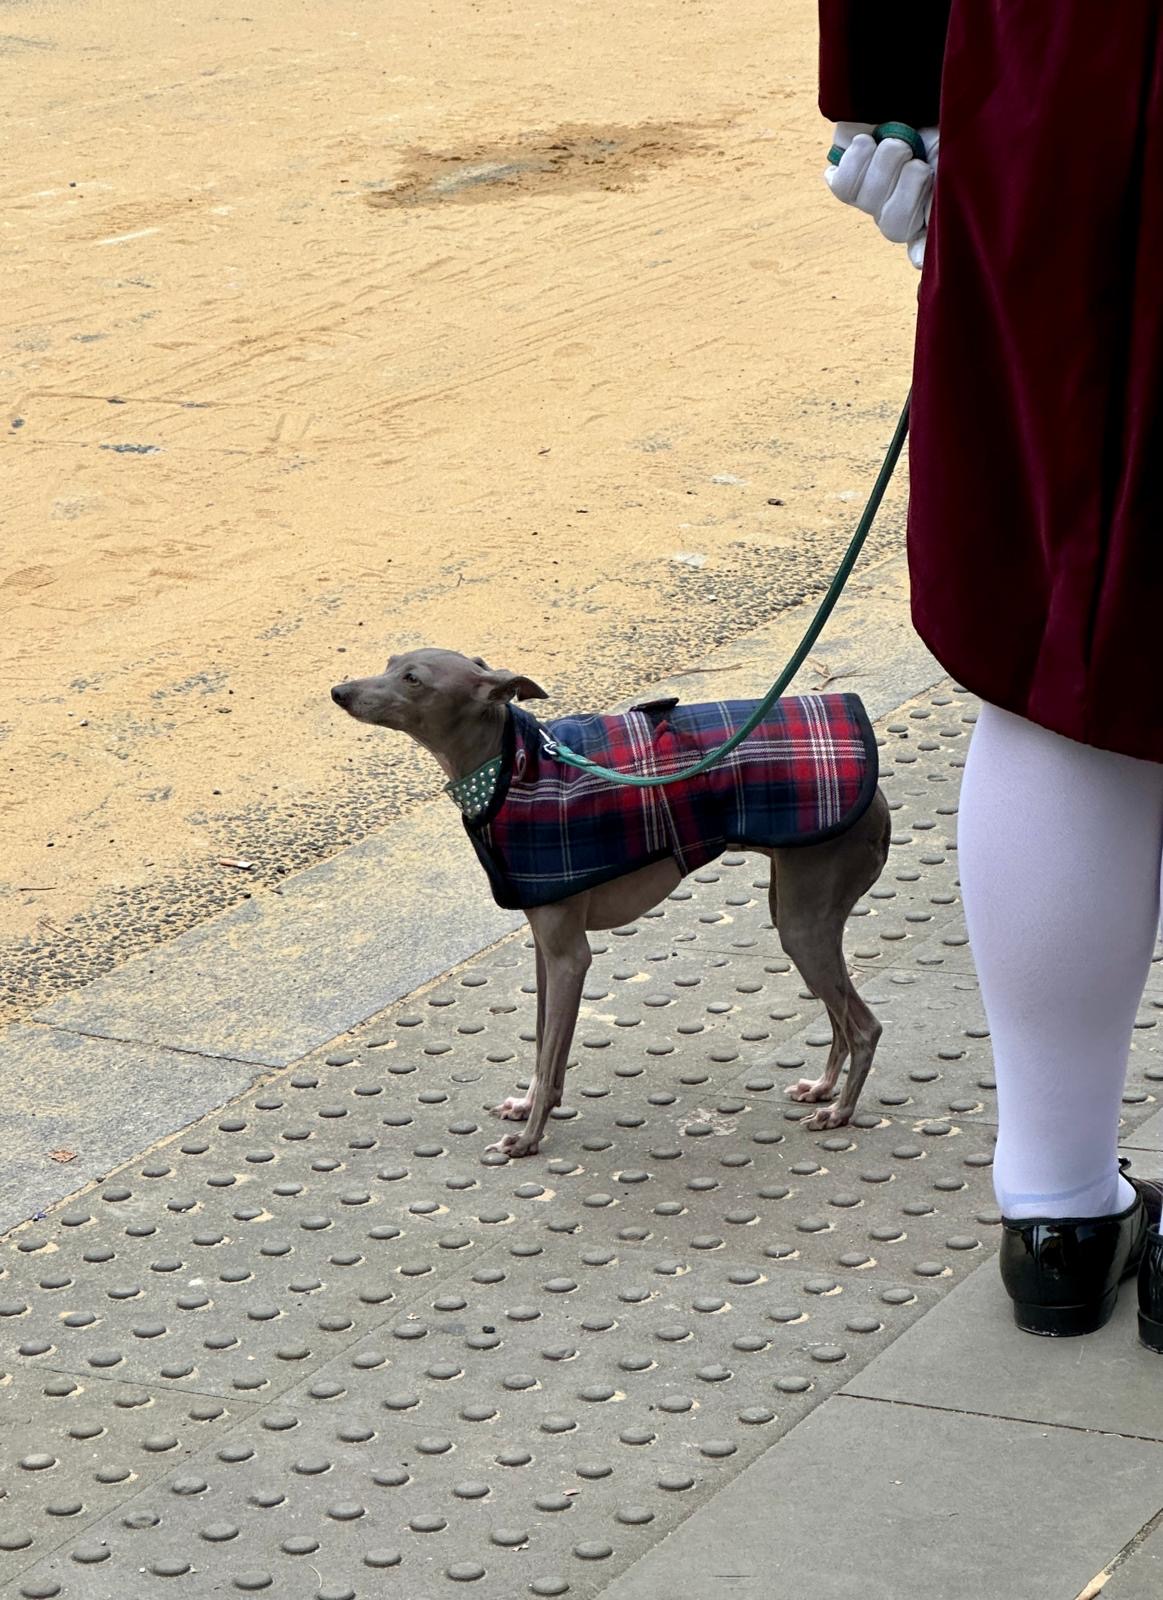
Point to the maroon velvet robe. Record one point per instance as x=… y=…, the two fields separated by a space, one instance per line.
x=1036 y=451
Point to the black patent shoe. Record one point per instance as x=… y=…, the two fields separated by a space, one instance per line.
x=1151 y=1292
x=1063 y=1273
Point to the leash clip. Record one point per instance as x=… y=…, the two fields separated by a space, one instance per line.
x=561 y=752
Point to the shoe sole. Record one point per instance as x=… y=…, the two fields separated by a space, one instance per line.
x=1069 y=1322
x=1150 y=1333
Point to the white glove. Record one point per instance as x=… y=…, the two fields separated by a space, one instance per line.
x=887 y=181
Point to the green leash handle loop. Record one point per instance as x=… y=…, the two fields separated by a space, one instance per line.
x=901 y=130
x=562 y=752
x=887 y=130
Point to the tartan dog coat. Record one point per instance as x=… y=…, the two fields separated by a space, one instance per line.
x=550 y=830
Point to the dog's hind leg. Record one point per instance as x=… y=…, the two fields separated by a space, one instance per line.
x=806 y=1089
x=814 y=889
x=819 y=957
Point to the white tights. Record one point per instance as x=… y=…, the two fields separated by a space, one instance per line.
x=1059 y=846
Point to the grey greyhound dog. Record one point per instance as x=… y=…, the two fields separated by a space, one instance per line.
x=462 y=711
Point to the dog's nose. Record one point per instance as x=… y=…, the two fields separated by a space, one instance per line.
x=341 y=694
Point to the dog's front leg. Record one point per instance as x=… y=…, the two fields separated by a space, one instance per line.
x=517 y=1107
x=563 y=959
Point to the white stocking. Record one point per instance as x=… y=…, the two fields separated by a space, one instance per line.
x=1059 y=846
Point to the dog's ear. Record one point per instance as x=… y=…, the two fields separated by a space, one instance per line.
x=497 y=684
x=526 y=689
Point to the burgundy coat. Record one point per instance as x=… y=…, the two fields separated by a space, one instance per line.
x=1036 y=450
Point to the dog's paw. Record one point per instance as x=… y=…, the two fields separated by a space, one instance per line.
x=811 y=1089
x=515 y=1145
x=514 y=1109
x=826 y=1117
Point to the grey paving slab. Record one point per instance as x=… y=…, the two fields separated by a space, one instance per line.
x=970 y=1357
x=70 y=1450
x=945 y=949
x=1147 y=1136
x=98 y=1101
x=186 y=1293
x=1140 y=1575
x=644 y=995
x=931 y=1503
x=723 y=909
x=933 y=1063
x=510 y=1427
x=948 y=948
x=946 y=1020
x=279 y=975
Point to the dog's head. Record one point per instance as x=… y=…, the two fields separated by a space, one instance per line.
x=428 y=693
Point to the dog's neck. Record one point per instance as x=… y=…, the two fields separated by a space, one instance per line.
x=475 y=739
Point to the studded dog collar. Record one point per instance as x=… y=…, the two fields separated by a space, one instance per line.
x=473 y=793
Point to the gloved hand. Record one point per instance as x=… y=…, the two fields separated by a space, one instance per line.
x=888 y=180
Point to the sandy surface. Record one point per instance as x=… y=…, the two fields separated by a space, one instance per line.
x=332 y=328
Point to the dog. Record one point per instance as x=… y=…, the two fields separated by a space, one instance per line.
x=579 y=853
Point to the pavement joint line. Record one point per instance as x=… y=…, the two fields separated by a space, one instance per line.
x=1134 y=1543
x=653 y=1550
x=174 y=1049
x=92 y=1377
x=848 y=1393
x=269 y=1071
x=401 y=1309
x=95 y=1517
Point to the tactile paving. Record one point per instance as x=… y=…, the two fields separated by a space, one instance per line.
x=514 y=1433
x=397 y=1364
x=72 y=1448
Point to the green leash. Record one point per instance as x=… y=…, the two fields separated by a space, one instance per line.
x=561 y=752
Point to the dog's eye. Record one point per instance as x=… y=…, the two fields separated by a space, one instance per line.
x=410 y=677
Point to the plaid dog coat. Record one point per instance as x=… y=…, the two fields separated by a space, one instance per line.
x=551 y=830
